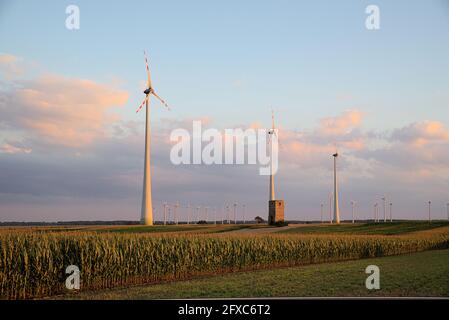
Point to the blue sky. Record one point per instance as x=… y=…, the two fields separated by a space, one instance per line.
x=231 y=60
x=283 y=54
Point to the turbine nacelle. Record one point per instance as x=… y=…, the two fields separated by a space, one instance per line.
x=150 y=89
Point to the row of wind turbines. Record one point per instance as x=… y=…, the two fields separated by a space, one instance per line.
x=336 y=210
x=147 y=206
x=194 y=214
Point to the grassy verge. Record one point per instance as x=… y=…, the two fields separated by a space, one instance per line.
x=390 y=228
x=424 y=274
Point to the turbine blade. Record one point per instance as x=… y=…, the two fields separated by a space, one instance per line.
x=160 y=99
x=148 y=70
x=142 y=104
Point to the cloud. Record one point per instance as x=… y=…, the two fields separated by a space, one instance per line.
x=421 y=133
x=10 y=148
x=415 y=150
x=96 y=163
x=342 y=124
x=311 y=148
x=61 y=111
x=10 y=66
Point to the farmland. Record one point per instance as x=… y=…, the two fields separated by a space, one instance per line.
x=427 y=278
x=33 y=260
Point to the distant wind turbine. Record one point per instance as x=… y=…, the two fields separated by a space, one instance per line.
x=352 y=207
x=147 y=212
x=322 y=212
x=176 y=212
x=244 y=211
x=222 y=215
x=391 y=212
x=336 y=207
x=330 y=207
x=375 y=213
x=271 y=132
x=165 y=213
x=188 y=214
x=198 y=213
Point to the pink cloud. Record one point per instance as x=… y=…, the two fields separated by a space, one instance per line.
x=312 y=148
x=13 y=149
x=422 y=133
x=65 y=111
x=9 y=66
x=341 y=124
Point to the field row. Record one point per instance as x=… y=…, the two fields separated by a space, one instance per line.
x=33 y=264
x=423 y=274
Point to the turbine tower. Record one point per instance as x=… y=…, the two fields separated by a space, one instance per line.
x=271 y=133
x=147 y=209
x=336 y=208
x=353 y=207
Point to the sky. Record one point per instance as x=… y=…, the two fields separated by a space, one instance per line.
x=71 y=144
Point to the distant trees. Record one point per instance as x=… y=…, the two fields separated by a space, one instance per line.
x=259 y=219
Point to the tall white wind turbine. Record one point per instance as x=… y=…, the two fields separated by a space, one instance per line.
x=147 y=211
x=271 y=132
x=336 y=207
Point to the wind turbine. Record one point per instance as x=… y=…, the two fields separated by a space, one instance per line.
x=271 y=132
x=391 y=211
x=165 y=213
x=384 y=199
x=222 y=215
x=188 y=213
x=330 y=207
x=206 y=213
x=235 y=213
x=336 y=208
x=375 y=213
x=244 y=210
x=322 y=212
x=352 y=207
x=176 y=212
x=147 y=212
x=169 y=214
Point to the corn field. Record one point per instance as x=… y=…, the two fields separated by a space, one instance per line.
x=33 y=264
